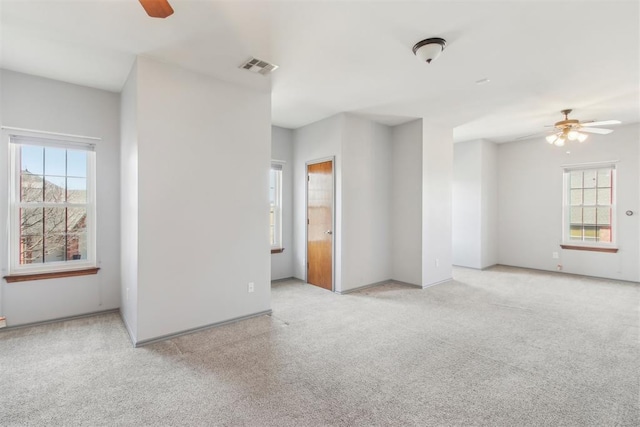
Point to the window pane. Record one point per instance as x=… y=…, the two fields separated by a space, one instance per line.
x=590 y=233
x=589 y=216
x=55 y=161
x=31 y=221
x=76 y=246
x=55 y=220
x=31 y=159
x=575 y=233
x=604 y=177
x=273 y=177
x=589 y=196
x=590 y=178
x=31 y=187
x=576 y=179
x=54 y=189
x=576 y=196
x=77 y=220
x=604 y=216
x=31 y=249
x=604 y=234
x=77 y=190
x=54 y=247
x=77 y=163
x=576 y=215
x=604 y=196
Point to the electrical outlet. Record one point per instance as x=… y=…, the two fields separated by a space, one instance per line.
x=250 y=287
x=437 y=262
x=555 y=255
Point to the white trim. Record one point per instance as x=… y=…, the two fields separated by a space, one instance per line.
x=278 y=208
x=200 y=328
x=566 y=206
x=42 y=133
x=441 y=282
x=13 y=248
x=589 y=165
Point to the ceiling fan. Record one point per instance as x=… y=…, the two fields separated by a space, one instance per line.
x=575 y=130
x=157 y=8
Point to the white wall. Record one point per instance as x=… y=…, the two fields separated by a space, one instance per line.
x=204 y=152
x=467 y=195
x=318 y=140
x=530 y=204
x=489 y=204
x=47 y=105
x=437 y=171
x=282 y=149
x=406 y=202
x=366 y=196
x=129 y=203
x=475 y=215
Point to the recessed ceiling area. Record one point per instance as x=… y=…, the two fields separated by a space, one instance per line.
x=356 y=56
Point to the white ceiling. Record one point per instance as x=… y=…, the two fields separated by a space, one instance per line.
x=355 y=56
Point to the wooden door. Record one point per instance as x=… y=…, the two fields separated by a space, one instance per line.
x=320 y=224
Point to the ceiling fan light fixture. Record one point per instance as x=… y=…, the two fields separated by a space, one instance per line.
x=428 y=50
x=575 y=130
x=572 y=135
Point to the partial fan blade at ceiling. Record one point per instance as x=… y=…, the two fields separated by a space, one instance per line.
x=596 y=130
x=602 y=123
x=157 y=8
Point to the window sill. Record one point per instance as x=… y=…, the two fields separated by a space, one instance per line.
x=277 y=250
x=589 y=248
x=52 y=275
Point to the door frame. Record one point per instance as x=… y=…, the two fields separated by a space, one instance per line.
x=332 y=159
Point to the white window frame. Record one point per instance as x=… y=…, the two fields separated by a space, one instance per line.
x=566 y=208
x=18 y=139
x=277 y=166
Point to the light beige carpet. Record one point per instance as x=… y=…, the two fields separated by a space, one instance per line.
x=506 y=347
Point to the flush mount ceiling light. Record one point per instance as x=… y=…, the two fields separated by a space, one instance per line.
x=575 y=130
x=428 y=50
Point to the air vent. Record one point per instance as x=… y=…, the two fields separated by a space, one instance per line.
x=256 y=65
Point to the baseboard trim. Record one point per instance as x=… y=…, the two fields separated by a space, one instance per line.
x=383 y=282
x=60 y=319
x=568 y=273
x=411 y=285
x=142 y=343
x=128 y=328
x=284 y=279
x=441 y=282
x=359 y=288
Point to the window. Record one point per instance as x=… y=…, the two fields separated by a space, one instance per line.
x=589 y=210
x=275 y=210
x=52 y=205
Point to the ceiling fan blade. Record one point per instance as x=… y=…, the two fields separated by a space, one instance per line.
x=157 y=8
x=596 y=130
x=602 y=123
